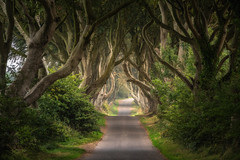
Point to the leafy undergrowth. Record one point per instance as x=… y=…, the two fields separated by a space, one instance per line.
x=67 y=150
x=173 y=151
x=63 y=120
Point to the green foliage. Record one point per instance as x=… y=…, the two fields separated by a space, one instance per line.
x=202 y=120
x=170 y=149
x=225 y=67
x=208 y=117
x=22 y=127
x=171 y=97
x=64 y=112
x=8 y=121
x=65 y=102
x=170 y=55
x=161 y=71
x=189 y=60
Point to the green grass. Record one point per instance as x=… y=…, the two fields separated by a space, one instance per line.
x=70 y=150
x=59 y=152
x=67 y=150
x=171 y=150
x=101 y=121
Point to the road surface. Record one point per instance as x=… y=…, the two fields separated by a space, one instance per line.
x=124 y=139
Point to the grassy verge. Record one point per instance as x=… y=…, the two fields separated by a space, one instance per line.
x=169 y=149
x=67 y=150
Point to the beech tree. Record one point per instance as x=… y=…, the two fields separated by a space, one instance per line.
x=178 y=59
x=39 y=35
x=207 y=41
x=74 y=38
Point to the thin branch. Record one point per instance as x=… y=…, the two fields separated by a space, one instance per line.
x=88 y=11
x=213 y=35
x=32 y=23
x=122 y=59
x=221 y=38
x=107 y=95
x=126 y=56
x=173 y=69
x=49 y=6
x=222 y=62
x=134 y=80
x=18 y=53
x=204 y=21
x=229 y=47
x=62 y=21
x=22 y=31
x=141 y=71
x=157 y=21
x=156 y=52
x=170 y=2
x=190 y=24
x=177 y=19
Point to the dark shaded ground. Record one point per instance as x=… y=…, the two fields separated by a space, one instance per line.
x=124 y=139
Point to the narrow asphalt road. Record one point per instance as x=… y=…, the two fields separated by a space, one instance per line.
x=124 y=139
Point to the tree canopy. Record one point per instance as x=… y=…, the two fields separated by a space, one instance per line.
x=178 y=59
